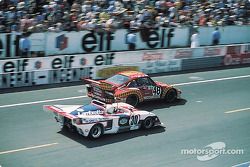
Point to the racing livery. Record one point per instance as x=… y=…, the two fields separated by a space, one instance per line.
x=131 y=87
x=97 y=118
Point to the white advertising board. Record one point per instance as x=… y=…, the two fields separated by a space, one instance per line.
x=83 y=60
x=148 y=67
x=2 y=45
x=91 y=42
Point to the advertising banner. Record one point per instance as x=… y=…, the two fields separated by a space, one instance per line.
x=2 y=46
x=40 y=77
x=151 y=67
x=235 y=54
x=70 y=68
x=238 y=54
x=148 y=67
x=162 y=38
x=21 y=79
x=214 y=51
x=69 y=74
x=81 y=42
x=92 y=42
x=83 y=60
x=183 y=53
x=9 y=45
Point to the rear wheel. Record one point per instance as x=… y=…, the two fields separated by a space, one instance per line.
x=96 y=131
x=148 y=123
x=133 y=100
x=171 y=96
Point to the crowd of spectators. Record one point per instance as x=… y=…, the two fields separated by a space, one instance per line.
x=99 y=15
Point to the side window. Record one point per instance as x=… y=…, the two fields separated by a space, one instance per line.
x=132 y=84
x=145 y=81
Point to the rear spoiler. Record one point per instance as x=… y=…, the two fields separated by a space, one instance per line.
x=103 y=85
x=89 y=81
x=49 y=108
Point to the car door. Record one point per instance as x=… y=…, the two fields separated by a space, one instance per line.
x=148 y=88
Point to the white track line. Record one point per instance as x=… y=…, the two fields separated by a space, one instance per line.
x=238 y=165
x=42 y=101
x=238 y=110
x=212 y=80
x=28 y=148
x=77 y=97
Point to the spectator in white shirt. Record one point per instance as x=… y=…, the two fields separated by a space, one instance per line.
x=195 y=41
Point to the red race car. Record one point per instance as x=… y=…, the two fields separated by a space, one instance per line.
x=131 y=87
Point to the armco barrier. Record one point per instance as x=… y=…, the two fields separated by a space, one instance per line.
x=205 y=62
x=71 y=68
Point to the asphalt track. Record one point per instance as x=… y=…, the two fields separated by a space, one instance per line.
x=215 y=108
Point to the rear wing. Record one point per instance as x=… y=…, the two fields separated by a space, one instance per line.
x=101 y=84
x=90 y=81
x=57 y=110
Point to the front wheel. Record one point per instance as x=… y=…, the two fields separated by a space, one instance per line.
x=148 y=123
x=171 y=96
x=96 y=131
x=133 y=100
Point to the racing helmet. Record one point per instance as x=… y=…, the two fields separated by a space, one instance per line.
x=110 y=109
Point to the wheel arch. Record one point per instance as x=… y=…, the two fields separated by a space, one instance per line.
x=166 y=90
x=144 y=126
x=97 y=124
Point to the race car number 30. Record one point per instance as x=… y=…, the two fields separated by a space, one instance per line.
x=134 y=119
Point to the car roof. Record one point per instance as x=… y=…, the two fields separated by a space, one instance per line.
x=133 y=74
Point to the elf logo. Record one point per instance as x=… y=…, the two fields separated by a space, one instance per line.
x=61 y=42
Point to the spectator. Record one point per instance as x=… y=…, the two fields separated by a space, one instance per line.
x=25 y=45
x=216 y=36
x=195 y=41
x=135 y=24
x=131 y=40
x=22 y=14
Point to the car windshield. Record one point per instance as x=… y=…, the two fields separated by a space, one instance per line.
x=118 y=79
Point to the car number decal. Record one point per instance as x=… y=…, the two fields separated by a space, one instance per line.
x=134 y=119
x=156 y=90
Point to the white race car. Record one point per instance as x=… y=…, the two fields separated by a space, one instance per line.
x=97 y=118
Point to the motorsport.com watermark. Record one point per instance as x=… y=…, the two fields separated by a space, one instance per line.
x=212 y=151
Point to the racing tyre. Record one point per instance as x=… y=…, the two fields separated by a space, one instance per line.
x=133 y=100
x=148 y=123
x=96 y=131
x=171 y=96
